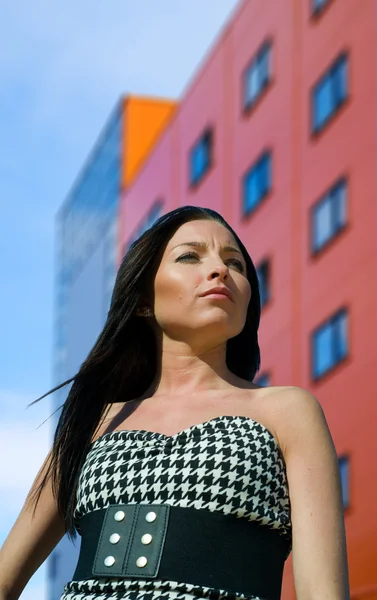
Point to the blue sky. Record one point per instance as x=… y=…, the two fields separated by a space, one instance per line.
x=62 y=69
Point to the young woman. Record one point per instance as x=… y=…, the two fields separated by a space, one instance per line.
x=184 y=479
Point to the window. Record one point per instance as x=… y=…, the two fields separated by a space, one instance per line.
x=257 y=76
x=344 y=478
x=257 y=183
x=318 y=5
x=330 y=344
x=329 y=215
x=330 y=93
x=201 y=157
x=263 y=273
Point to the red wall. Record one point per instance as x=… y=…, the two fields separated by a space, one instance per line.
x=305 y=290
x=345 y=274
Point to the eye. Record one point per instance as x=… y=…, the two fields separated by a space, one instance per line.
x=189 y=255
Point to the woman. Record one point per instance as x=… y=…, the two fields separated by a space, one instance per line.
x=173 y=466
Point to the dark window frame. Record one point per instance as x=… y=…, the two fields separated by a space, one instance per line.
x=259 y=163
x=206 y=134
x=249 y=104
x=331 y=196
x=331 y=72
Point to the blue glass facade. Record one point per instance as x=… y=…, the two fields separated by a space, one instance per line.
x=94 y=198
x=85 y=273
x=86 y=217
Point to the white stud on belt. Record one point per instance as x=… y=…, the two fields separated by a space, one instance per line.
x=141 y=561
x=119 y=515
x=151 y=516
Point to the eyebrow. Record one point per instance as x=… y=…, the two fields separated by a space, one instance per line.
x=204 y=246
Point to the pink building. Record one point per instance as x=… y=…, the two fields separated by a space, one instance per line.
x=277 y=132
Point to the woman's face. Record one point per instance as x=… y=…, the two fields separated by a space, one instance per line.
x=185 y=273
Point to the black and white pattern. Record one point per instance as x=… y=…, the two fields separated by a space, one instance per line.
x=230 y=464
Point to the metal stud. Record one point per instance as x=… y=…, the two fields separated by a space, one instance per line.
x=146 y=538
x=109 y=561
x=119 y=515
x=151 y=516
x=114 y=538
x=141 y=561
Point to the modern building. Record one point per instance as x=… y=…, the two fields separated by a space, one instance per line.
x=86 y=260
x=278 y=132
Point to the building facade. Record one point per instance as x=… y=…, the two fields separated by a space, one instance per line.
x=277 y=132
x=86 y=259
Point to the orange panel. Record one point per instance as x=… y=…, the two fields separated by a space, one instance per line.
x=144 y=120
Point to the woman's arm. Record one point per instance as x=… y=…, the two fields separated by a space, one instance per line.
x=319 y=541
x=30 y=541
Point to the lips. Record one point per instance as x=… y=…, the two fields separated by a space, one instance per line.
x=220 y=290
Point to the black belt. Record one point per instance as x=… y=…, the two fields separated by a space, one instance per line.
x=201 y=547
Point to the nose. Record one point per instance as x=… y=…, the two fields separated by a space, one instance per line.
x=220 y=271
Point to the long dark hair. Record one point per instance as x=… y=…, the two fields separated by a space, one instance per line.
x=122 y=363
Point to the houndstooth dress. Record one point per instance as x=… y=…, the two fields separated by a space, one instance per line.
x=229 y=464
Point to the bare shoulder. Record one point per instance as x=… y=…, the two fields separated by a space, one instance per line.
x=293 y=398
x=294 y=411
